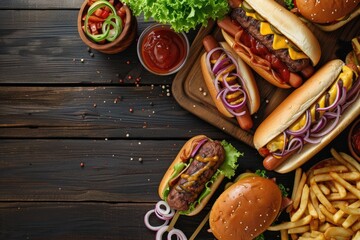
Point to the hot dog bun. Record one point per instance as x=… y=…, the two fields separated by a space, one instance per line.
x=295 y=105
x=246 y=209
x=184 y=156
x=250 y=86
x=288 y=25
x=328 y=15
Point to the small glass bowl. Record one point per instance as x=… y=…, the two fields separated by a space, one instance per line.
x=355 y=128
x=147 y=62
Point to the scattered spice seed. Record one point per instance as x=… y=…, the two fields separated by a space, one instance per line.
x=91 y=54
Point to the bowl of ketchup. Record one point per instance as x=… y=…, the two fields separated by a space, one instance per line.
x=354 y=140
x=161 y=50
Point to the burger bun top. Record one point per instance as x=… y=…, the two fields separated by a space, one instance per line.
x=246 y=209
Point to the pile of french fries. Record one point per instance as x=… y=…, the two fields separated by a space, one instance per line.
x=326 y=202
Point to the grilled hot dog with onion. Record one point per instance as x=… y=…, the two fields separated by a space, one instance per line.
x=280 y=49
x=196 y=172
x=230 y=82
x=310 y=117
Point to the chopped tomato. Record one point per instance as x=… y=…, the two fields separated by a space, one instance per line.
x=98 y=12
x=104 y=14
x=93 y=18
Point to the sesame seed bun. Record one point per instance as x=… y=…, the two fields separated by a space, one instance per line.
x=246 y=209
x=328 y=15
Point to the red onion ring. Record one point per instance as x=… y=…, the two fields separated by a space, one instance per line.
x=147 y=222
x=304 y=129
x=178 y=233
x=200 y=143
x=336 y=101
x=330 y=128
x=164 y=214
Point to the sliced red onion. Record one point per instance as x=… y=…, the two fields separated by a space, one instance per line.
x=343 y=96
x=200 y=143
x=351 y=100
x=304 y=129
x=319 y=125
x=295 y=143
x=147 y=221
x=161 y=232
x=178 y=233
x=354 y=89
x=329 y=129
x=336 y=101
x=164 y=214
x=220 y=63
x=230 y=106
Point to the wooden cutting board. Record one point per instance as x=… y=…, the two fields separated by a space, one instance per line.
x=191 y=93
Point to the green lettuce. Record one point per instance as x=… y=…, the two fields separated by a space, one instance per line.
x=182 y=15
x=289 y=4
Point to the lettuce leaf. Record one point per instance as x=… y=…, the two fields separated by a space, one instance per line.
x=182 y=15
x=230 y=164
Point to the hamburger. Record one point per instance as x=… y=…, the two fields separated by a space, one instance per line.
x=246 y=209
x=328 y=15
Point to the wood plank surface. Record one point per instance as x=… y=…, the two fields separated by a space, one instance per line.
x=105 y=112
x=96 y=112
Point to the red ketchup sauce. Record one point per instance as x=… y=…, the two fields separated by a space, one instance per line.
x=163 y=50
x=355 y=138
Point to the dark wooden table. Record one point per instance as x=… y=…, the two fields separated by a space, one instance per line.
x=61 y=108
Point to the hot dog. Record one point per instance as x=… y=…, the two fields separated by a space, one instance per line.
x=309 y=118
x=280 y=49
x=230 y=82
x=196 y=172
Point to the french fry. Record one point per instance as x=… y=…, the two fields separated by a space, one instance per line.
x=284 y=235
x=349 y=176
x=321 y=196
x=303 y=204
x=336 y=196
x=288 y=225
x=346 y=184
x=324 y=189
x=335 y=168
x=356 y=227
x=312 y=210
x=314 y=224
x=297 y=177
x=351 y=160
x=327 y=198
x=296 y=200
x=340 y=189
x=350 y=220
x=338 y=233
x=357 y=235
x=315 y=203
x=301 y=229
x=340 y=159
